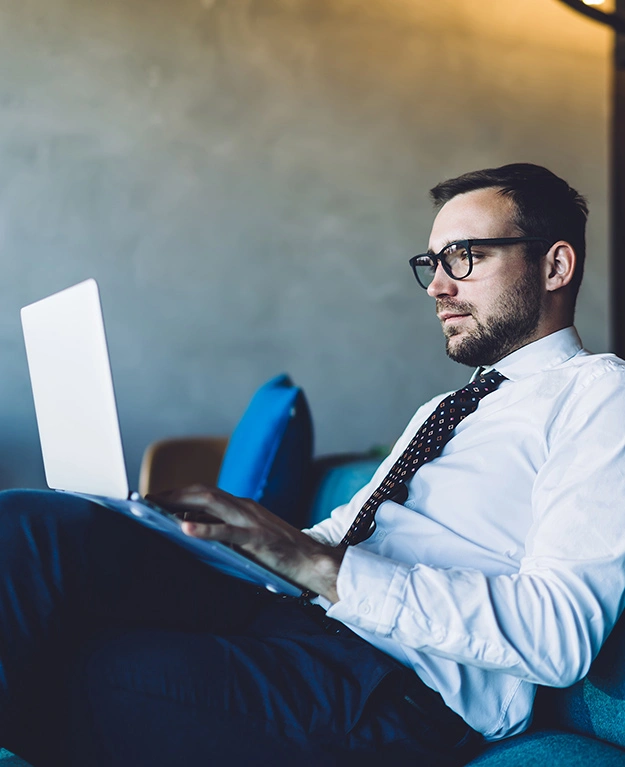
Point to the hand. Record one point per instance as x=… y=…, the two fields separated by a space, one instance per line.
x=259 y=533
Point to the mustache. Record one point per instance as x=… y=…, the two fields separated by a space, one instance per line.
x=457 y=307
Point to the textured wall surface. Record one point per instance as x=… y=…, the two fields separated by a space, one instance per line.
x=247 y=178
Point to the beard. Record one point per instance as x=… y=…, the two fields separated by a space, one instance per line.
x=510 y=325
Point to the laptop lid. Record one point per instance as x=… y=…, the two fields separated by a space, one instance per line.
x=73 y=392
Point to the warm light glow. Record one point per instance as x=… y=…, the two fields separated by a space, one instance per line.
x=607 y=6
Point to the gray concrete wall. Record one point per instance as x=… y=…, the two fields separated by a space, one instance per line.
x=247 y=178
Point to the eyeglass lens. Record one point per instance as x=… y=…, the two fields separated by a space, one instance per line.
x=456 y=260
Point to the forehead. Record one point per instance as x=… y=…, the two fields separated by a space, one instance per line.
x=478 y=214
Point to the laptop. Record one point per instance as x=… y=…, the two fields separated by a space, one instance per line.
x=81 y=444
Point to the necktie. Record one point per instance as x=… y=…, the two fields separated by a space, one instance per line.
x=426 y=445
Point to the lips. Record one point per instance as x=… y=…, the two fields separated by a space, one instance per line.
x=450 y=311
x=447 y=316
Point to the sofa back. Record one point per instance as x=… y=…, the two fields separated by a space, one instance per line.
x=596 y=705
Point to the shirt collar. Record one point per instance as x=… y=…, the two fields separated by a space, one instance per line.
x=547 y=352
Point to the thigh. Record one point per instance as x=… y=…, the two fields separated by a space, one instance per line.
x=293 y=694
x=69 y=568
x=376 y=708
x=66 y=560
x=163 y=698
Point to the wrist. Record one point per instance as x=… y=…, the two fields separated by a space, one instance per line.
x=324 y=571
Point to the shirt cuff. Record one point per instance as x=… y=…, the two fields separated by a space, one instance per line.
x=371 y=590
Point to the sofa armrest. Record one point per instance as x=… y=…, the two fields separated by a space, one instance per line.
x=180 y=462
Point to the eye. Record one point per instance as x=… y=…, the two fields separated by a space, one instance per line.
x=478 y=254
x=455 y=253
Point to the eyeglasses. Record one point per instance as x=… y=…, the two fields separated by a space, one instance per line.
x=457 y=258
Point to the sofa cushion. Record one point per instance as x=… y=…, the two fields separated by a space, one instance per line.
x=10 y=760
x=269 y=454
x=338 y=485
x=550 y=749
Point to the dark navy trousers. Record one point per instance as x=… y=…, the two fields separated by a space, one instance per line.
x=119 y=648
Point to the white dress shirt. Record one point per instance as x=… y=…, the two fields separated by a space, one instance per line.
x=505 y=568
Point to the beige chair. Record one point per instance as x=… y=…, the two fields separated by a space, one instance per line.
x=171 y=464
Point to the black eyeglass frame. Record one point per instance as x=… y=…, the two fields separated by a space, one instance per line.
x=435 y=258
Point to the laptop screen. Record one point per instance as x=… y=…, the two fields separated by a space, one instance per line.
x=73 y=392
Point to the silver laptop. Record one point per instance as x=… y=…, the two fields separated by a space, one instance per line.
x=79 y=432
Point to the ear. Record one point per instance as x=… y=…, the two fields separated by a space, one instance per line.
x=559 y=265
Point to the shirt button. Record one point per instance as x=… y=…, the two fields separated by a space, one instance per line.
x=381 y=535
x=365 y=608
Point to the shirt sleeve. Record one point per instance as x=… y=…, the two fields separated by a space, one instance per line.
x=545 y=623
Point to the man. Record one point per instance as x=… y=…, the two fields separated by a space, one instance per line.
x=490 y=560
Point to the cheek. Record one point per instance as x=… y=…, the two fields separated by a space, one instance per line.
x=483 y=297
x=497 y=286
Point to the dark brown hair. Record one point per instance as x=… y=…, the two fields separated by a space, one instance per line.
x=546 y=206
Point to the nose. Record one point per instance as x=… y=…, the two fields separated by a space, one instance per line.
x=442 y=284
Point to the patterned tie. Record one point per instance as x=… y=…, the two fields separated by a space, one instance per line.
x=424 y=446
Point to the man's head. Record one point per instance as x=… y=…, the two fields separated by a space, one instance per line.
x=516 y=292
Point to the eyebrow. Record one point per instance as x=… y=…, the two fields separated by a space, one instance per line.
x=430 y=252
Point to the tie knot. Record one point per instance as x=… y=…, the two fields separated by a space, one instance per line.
x=484 y=384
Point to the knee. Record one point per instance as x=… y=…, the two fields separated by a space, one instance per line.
x=19 y=507
x=20 y=496
x=16 y=501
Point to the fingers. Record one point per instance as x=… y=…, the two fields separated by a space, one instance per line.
x=224 y=533
x=198 y=503
x=201 y=505
x=186 y=511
